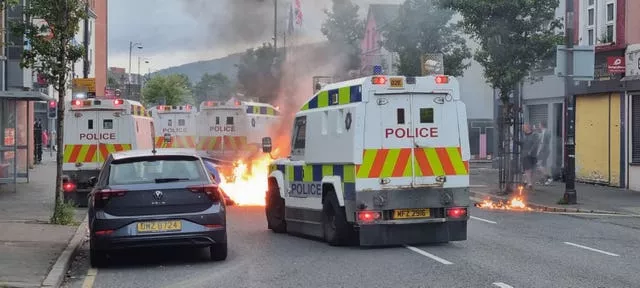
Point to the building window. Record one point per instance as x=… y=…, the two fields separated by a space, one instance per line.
x=590 y=17
x=610 y=32
x=610 y=12
x=591 y=2
x=590 y=35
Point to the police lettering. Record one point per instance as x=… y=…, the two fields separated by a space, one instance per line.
x=97 y=136
x=303 y=190
x=408 y=133
x=174 y=130
x=220 y=128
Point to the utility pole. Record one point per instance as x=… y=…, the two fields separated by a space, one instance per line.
x=275 y=25
x=131 y=44
x=570 y=194
x=85 y=67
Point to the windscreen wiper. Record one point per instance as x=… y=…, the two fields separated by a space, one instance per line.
x=166 y=180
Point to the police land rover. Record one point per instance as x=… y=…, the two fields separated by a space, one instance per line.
x=380 y=160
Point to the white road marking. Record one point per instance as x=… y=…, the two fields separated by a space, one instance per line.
x=502 y=285
x=477 y=186
x=90 y=279
x=591 y=249
x=483 y=220
x=425 y=253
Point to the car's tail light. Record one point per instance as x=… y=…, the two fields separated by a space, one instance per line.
x=103 y=232
x=457 y=212
x=101 y=197
x=441 y=79
x=368 y=216
x=68 y=187
x=211 y=190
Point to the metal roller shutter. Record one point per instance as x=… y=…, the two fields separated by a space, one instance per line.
x=537 y=113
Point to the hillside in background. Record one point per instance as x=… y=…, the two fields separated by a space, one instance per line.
x=225 y=65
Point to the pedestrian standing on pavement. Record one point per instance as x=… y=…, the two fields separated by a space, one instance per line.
x=529 y=153
x=45 y=138
x=544 y=140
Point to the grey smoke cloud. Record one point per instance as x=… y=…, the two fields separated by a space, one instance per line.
x=250 y=22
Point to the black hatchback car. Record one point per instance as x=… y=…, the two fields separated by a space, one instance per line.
x=164 y=197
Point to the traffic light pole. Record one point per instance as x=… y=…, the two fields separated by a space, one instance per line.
x=570 y=194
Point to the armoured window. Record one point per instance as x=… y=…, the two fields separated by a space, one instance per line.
x=181 y=122
x=217 y=120
x=107 y=124
x=426 y=115
x=400 y=115
x=90 y=124
x=169 y=123
x=229 y=120
x=300 y=132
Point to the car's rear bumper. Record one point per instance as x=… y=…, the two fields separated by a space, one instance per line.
x=197 y=239
x=196 y=229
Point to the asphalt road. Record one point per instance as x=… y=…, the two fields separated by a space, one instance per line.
x=504 y=249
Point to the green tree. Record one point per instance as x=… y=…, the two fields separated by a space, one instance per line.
x=51 y=54
x=514 y=36
x=167 y=90
x=344 y=30
x=423 y=27
x=112 y=82
x=212 y=87
x=259 y=73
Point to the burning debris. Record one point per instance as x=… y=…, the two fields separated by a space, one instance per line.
x=516 y=203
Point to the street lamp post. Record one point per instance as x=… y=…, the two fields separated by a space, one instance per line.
x=275 y=25
x=139 y=46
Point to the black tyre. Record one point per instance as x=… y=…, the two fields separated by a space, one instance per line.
x=98 y=258
x=275 y=210
x=337 y=231
x=218 y=251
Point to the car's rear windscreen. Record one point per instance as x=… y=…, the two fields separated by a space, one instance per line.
x=140 y=170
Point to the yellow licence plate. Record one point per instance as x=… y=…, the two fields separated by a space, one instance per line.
x=160 y=226
x=411 y=213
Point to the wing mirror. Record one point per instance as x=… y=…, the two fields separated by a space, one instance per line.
x=266 y=145
x=93 y=180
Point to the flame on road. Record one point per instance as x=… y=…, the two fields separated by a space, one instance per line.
x=515 y=203
x=250 y=182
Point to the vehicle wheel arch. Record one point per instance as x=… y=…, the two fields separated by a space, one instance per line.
x=333 y=184
x=278 y=177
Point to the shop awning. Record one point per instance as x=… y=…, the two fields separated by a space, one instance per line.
x=24 y=96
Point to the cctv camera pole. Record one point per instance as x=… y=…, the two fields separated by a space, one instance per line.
x=85 y=68
x=129 y=71
x=275 y=25
x=570 y=195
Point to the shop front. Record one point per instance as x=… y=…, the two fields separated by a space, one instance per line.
x=16 y=134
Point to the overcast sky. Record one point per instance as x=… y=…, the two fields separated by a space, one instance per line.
x=175 y=32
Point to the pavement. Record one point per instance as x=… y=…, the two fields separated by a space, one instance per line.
x=591 y=198
x=29 y=246
x=504 y=249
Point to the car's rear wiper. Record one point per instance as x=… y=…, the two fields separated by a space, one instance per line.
x=165 y=180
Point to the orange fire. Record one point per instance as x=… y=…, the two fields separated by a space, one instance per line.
x=250 y=183
x=515 y=203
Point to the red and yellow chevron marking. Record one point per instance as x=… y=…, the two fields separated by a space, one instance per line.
x=83 y=153
x=440 y=161
x=91 y=153
x=209 y=143
x=176 y=142
x=234 y=142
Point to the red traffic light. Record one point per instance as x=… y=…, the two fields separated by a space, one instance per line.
x=52 y=103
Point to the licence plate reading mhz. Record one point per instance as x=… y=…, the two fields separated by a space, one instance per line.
x=159 y=226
